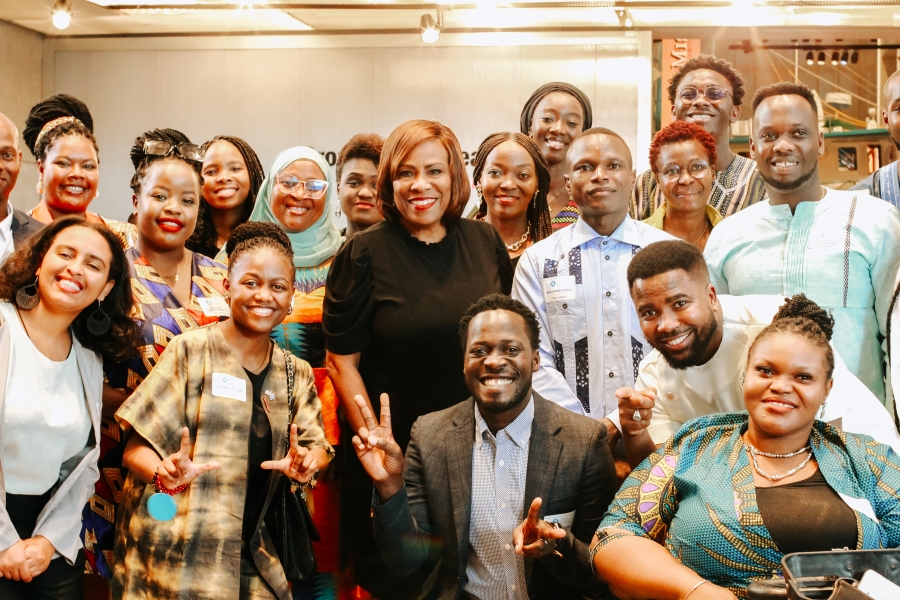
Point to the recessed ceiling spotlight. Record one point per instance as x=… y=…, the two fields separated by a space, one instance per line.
x=61 y=13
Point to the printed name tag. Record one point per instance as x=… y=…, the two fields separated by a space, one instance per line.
x=214 y=307
x=559 y=288
x=227 y=386
x=565 y=520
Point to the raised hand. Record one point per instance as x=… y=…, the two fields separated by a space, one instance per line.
x=535 y=537
x=178 y=469
x=14 y=563
x=299 y=464
x=632 y=403
x=379 y=454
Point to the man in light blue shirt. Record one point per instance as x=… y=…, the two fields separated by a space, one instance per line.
x=840 y=248
x=575 y=281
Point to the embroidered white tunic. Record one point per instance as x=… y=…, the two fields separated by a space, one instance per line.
x=842 y=252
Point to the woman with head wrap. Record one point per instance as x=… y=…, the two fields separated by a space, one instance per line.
x=232 y=176
x=299 y=195
x=553 y=116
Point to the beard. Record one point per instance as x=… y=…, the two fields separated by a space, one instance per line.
x=790 y=186
x=487 y=405
x=693 y=355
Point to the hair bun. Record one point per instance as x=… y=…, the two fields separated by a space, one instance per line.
x=54 y=107
x=252 y=229
x=802 y=307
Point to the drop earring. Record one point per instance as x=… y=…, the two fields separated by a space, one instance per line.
x=338 y=212
x=40 y=185
x=98 y=322
x=28 y=300
x=291 y=307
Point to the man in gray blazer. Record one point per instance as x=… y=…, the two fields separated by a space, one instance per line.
x=15 y=225
x=472 y=471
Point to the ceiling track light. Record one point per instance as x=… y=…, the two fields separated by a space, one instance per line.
x=835 y=59
x=821 y=58
x=429 y=29
x=809 y=58
x=845 y=57
x=854 y=58
x=625 y=19
x=61 y=13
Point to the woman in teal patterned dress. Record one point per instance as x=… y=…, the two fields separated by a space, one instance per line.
x=723 y=500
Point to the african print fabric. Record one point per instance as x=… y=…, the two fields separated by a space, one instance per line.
x=734 y=189
x=565 y=217
x=197 y=554
x=696 y=496
x=161 y=317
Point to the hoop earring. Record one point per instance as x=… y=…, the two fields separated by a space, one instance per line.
x=291 y=307
x=40 y=185
x=28 y=300
x=338 y=212
x=98 y=322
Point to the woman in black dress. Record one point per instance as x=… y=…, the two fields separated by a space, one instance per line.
x=394 y=298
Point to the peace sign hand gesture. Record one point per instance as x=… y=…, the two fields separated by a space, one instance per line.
x=379 y=454
x=178 y=469
x=535 y=537
x=299 y=464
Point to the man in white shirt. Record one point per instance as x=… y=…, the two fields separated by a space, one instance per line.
x=591 y=342
x=15 y=226
x=701 y=343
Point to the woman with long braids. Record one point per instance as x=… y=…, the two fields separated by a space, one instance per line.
x=512 y=181
x=175 y=290
x=66 y=304
x=232 y=176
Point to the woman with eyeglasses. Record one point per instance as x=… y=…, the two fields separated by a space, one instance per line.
x=175 y=290
x=59 y=133
x=299 y=195
x=683 y=158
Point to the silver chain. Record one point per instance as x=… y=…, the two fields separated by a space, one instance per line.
x=754 y=452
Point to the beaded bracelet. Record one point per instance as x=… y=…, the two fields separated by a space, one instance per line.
x=164 y=490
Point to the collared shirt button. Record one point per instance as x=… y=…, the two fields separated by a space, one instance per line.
x=609 y=333
x=608 y=294
x=606 y=257
x=565 y=306
x=503 y=505
x=611 y=374
x=502 y=463
x=670 y=396
x=561 y=256
x=605 y=242
x=507 y=547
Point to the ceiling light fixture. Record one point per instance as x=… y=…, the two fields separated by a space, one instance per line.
x=821 y=58
x=845 y=56
x=809 y=58
x=429 y=29
x=624 y=18
x=854 y=58
x=834 y=58
x=61 y=13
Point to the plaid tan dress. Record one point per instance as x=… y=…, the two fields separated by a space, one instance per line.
x=197 y=555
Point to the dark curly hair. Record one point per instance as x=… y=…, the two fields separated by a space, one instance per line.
x=669 y=255
x=710 y=62
x=785 y=88
x=50 y=109
x=538 y=212
x=205 y=235
x=501 y=302
x=801 y=316
x=367 y=146
x=681 y=131
x=141 y=160
x=252 y=235
x=120 y=342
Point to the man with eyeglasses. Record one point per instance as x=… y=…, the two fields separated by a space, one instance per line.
x=708 y=91
x=885 y=182
x=837 y=247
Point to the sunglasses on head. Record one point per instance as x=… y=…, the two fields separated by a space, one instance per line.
x=189 y=152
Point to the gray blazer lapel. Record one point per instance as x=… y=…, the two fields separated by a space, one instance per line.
x=543 y=458
x=459 y=439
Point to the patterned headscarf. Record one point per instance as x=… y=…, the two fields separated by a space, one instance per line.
x=322 y=239
x=557 y=86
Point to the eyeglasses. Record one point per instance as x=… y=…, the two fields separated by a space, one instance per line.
x=713 y=93
x=672 y=173
x=314 y=188
x=189 y=152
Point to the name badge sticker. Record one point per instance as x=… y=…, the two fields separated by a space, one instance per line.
x=564 y=520
x=214 y=307
x=228 y=386
x=559 y=288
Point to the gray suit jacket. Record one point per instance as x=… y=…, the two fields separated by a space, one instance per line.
x=23 y=226
x=569 y=466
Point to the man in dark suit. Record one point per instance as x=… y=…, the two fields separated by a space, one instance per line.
x=471 y=472
x=15 y=225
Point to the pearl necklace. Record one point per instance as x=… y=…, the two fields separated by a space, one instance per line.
x=522 y=240
x=754 y=452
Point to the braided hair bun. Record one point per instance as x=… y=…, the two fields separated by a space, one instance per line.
x=252 y=235
x=50 y=109
x=800 y=306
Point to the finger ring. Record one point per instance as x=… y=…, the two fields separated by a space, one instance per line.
x=546 y=543
x=637 y=415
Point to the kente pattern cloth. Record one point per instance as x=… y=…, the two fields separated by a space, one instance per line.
x=565 y=217
x=696 y=496
x=734 y=189
x=161 y=317
x=197 y=555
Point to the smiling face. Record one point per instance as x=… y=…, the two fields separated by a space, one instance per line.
x=786 y=384
x=600 y=177
x=891 y=114
x=357 y=192
x=558 y=119
x=786 y=143
x=296 y=211
x=714 y=117
x=677 y=312
x=10 y=158
x=226 y=180
x=509 y=181
x=261 y=285
x=690 y=191
x=423 y=188
x=499 y=361
x=70 y=174
x=167 y=205
x=75 y=271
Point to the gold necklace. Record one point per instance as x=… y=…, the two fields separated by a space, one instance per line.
x=702 y=233
x=174 y=278
x=522 y=240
